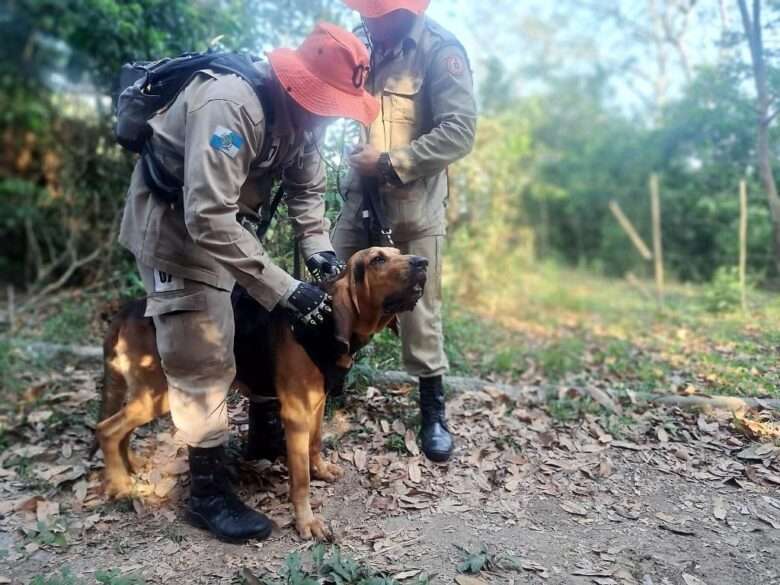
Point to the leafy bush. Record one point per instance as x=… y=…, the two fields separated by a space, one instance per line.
x=724 y=292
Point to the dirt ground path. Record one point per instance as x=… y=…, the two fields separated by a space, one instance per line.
x=554 y=495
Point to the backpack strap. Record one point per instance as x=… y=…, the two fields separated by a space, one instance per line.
x=243 y=66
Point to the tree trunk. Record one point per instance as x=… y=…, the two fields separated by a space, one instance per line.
x=753 y=32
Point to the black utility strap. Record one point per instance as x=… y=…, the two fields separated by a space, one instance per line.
x=374 y=220
x=268 y=212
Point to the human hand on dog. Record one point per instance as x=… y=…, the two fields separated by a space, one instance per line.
x=309 y=305
x=364 y=160
x=324 y=265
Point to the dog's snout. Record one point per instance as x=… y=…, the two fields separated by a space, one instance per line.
x=418 y=262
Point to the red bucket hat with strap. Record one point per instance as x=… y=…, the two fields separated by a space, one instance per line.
x=327 y=73
x=377 y=8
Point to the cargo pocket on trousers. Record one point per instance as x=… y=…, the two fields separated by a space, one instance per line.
x=159 y=304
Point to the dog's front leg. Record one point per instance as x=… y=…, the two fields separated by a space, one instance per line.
x=321 y=469
x=297 y=427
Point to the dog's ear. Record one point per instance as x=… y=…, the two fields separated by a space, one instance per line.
x=357 y=277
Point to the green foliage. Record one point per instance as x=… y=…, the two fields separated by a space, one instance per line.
x=64 y=578
x=567 y=409
x=330 y=566
x=110 y=577
x=115 y=577
x=482 y=559
x=561 y=357
x=724 y=292
x=396 y=443
x=68 y=325
x=49 y=534
x=62 y=178
x=9 y=366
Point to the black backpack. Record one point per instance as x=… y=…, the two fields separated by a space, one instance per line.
x=146 y=87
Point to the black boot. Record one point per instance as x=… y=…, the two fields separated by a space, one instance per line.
x=265 y=439
x=214 y=506
x=434 y=435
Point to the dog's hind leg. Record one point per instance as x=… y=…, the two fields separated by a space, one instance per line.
x=156 y=387
x=114 y=435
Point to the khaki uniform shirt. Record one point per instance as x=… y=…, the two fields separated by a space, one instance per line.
x=427 y=121
x=216 y=139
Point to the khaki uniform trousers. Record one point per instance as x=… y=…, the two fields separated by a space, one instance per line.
x=422 y=338
x=194 y=328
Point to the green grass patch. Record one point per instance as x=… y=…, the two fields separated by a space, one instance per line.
x=561 y=357
x=70 y=324
x=329 y=565
x=109 y=577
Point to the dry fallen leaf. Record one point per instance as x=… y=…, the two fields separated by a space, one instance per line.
x=80 y=490
x=39 y=416
x=361 y=459
x=411 y=443
x=573 y=508
x=466 y=580
x=176 y=467
x=406 y=574
x=691 y=580
x=45 y=510
x=767 y=519
x=758 y=451
x=709 y=428
x=719 y=509
x=415 y=474
x=164 y=486
x=46 y=472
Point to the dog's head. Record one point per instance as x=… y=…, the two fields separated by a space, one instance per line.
x=377 y=284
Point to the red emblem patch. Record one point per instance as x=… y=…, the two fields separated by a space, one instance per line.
x=455 y=66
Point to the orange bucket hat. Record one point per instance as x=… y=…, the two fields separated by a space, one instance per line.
x=377 y=8
x=327 y=73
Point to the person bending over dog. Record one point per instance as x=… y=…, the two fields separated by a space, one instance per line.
x=421 y=74
x=225 y=147
x=297 y=365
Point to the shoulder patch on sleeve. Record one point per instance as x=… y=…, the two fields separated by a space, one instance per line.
x=455 y=65
x=226 y=141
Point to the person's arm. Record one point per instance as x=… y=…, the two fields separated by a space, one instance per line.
x=220 y=144
x=304 y=187
x=451 y=91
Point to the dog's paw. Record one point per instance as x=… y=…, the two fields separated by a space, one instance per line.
x=118 y=486
x=325 y=471
x=314 y=527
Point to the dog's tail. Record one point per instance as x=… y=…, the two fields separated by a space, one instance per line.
x=114 y=390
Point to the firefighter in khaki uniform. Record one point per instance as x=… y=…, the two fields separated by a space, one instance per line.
x=427 y=121
x=219 y=141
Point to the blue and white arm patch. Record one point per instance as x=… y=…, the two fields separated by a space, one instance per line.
x=226 y=141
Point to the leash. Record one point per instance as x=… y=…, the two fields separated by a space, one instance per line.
x=375 y=222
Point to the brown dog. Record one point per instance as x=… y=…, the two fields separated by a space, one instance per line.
x=377 y=284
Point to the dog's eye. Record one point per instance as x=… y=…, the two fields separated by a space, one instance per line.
x=378 y=260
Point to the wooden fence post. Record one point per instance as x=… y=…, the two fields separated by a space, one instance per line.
x=630 y=230
x=743 y=225
x=655 y=204
x=11 y=309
